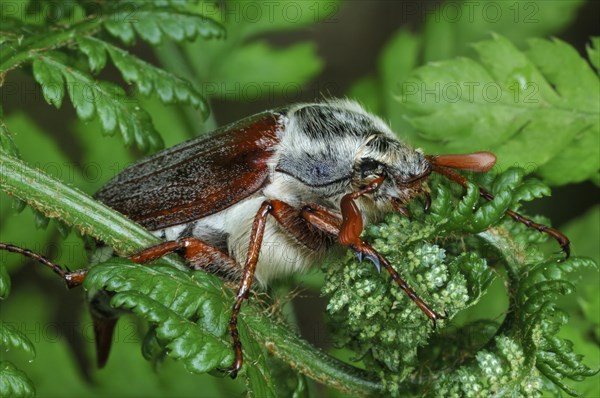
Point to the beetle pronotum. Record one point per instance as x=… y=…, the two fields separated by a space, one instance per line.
x=301 y=178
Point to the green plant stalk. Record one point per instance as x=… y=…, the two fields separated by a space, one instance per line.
x=513 y=258
x=75 y=208
x=310 y=361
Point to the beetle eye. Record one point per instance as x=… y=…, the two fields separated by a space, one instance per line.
x=369 y=167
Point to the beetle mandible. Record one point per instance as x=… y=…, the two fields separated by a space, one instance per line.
x=297 y=180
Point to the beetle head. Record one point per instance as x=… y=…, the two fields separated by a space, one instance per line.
x=405 y=170
x=336 y=147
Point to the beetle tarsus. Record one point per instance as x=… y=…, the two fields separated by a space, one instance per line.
x=75 y=278
x=566 y=250
x=71 y=278
x=433 y=323
x=237 y=343
x=434 y=316
x=233 y=370
x=232 y=373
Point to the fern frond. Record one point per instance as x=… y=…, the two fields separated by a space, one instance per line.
x=441 y=256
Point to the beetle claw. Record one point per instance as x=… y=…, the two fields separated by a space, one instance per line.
x=566 y=250
x=231 y=372
x=359 y=256
x=435 y=316
x=375 y=261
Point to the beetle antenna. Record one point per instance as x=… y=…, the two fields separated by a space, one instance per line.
x=72 y=279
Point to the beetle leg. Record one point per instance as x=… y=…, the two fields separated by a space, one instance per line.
x=327 y=222
x=256 y=238
x=562 y=240
x=71 y=278
x=288 y=217
x=198 y=254
x=103 y=326
x=352 y=222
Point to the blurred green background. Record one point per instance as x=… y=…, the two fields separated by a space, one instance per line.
x=298 y=51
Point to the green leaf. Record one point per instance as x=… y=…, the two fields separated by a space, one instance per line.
x=507 y=103
x=465 y=208
x=189 y=311
x=589 y=303
x=198 y=351
x=384 y=328
x=150 y=78
x=530 y=189
x=398 y=58
x=95 y=51
x=449 y=31
x=584 y=233
x=153 y=24
x=19 y=229
x=7 y=144
x=52 y=10
x=365 y=91
x=74 y=208
x=14 y=382
x=122 y=30
x=478 y=274
x=569 y=74
x=147 y=77
x=396 y=61
x=51 y=80
x=242 y=68
x=115 y=110
x=11 y=337
x=491 y=212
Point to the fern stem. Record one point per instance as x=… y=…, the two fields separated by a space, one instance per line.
x=310 y=361
x=511 y=254
x=513 y=257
